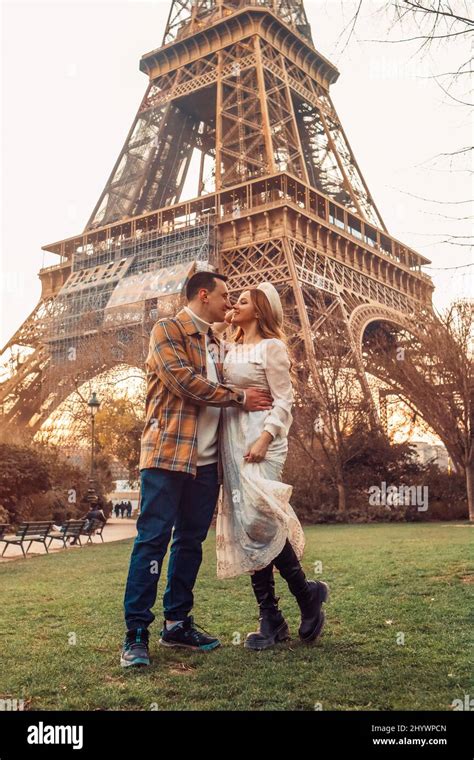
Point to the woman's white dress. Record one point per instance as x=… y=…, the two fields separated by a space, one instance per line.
x=255 y=516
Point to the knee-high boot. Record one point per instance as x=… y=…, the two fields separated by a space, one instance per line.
x=309 y=595
x=273 y=626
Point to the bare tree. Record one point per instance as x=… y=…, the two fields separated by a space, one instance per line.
x=434 y=24
x=330 y=408
x=432 y=372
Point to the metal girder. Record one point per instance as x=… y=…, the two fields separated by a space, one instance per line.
x=188 y=16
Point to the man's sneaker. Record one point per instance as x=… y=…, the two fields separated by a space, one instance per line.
x=135 y=648
x=185 y=634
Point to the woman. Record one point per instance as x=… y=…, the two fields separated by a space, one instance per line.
x=257 y=528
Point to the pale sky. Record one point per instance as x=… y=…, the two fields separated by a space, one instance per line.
x=71 y=87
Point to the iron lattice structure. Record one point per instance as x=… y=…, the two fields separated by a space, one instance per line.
x=280 y=196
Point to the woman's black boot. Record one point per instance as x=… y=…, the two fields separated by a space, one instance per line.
x=273 y=626
x=310 y=595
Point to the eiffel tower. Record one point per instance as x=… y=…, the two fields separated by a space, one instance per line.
x=238 y=98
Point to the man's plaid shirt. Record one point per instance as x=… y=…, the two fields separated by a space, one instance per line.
x=176 y=388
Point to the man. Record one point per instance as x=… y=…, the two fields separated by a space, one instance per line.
x=180 y=467
x=95 y=513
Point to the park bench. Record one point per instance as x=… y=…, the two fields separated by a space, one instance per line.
x=28 y=532
x=93 y=528
x=70 y=529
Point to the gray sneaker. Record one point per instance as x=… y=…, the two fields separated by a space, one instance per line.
x=135 y=648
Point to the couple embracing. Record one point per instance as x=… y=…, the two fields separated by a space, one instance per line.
x=217 y=414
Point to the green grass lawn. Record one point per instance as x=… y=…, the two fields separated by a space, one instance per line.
x=386 y=580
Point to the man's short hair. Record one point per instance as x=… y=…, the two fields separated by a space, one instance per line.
x=202 y=280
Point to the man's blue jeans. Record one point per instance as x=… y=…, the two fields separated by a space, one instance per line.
x=169 y=499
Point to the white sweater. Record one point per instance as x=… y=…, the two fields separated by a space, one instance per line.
x=208 y=417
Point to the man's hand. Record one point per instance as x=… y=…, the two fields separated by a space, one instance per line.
x=257 y=400
x=258 y=451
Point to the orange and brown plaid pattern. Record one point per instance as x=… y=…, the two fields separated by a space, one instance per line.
x=176 y=388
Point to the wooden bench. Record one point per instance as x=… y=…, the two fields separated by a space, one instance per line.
x=28 y=531
x=70 y=529
x=93 y=528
